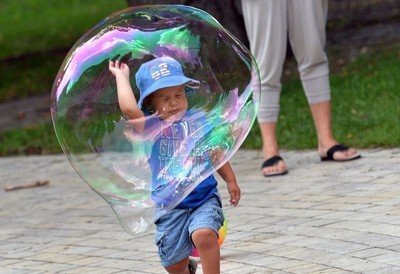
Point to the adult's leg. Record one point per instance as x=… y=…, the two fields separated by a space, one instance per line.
x=307 y=22
x=266 y=27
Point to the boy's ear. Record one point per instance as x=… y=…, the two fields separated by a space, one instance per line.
x=146 y=106
x=147 y=110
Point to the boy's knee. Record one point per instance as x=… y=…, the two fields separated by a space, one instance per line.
x=204 y=237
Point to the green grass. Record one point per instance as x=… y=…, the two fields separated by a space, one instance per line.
x=365 y=105
x=38 y=25
x=40 y=139
x=370 y=88
x=35 y=36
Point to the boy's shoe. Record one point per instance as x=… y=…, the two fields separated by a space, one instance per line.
x=192 y=266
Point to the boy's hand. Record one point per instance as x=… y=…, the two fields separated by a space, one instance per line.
x=118 y=68
x=234 y=192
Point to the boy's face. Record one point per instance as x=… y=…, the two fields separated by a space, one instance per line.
x=170 y=103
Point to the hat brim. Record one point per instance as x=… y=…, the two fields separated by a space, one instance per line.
x=165 y=82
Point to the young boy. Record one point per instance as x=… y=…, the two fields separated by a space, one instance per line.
x=197 y=219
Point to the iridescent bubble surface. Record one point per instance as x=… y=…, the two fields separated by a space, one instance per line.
x=103 y=147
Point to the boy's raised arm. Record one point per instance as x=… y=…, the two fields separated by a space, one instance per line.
x=126 y=98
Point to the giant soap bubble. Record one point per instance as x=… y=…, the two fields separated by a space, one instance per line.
x=104 y=148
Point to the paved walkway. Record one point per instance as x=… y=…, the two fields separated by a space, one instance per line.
x=320 y=218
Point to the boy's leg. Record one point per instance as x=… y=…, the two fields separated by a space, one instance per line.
x=206 y=242
x=181 y=267
x=173 y=241
x=206 y=220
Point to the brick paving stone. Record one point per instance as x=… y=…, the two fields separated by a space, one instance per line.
x=308 y=268
x=390 y=258
x=384 y=270
x=286 y=264
x=369 y=253
x=320 y=218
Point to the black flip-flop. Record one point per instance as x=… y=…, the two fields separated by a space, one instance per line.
x=271 y=162
x=339 y=148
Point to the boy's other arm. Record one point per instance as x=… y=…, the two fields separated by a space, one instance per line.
x=227 y=174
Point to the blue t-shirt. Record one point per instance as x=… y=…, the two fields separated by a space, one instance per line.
x=179 y=157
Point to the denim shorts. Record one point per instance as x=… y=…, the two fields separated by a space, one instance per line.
x=174 y=229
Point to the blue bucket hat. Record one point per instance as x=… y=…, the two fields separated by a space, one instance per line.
x=159 y=73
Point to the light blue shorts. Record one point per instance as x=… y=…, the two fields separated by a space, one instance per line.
x=174 y=229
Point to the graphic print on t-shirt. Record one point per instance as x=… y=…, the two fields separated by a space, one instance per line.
x=178 y=151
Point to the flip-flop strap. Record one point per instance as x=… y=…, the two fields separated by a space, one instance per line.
x=336 y=148
x=271 y=161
